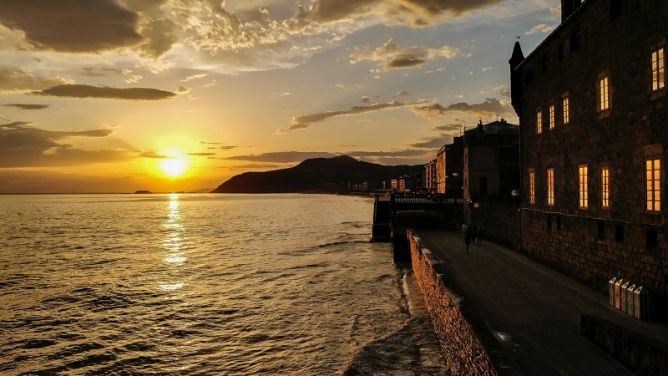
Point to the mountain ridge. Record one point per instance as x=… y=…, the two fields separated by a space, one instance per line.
x=317 y=175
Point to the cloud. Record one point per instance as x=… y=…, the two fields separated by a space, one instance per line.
x=487 y=107
x=430 y=110
x=201 y=154
x=391 y=56
x=195 y=77
x=366 y=99
x=72 y=25
x=13 y=79
x=401 y=94
x=305 y=121
x=391 y=154
x=433 y=142
x=540 y=29
x=281 y=156
x=87 y=91
x=154 y=155
x=100 y=71
x=218 y=145
x=27 y=106
x=22 y=145
x=448 y=127
x=418 y=13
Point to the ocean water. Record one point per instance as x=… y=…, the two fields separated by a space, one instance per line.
x=204 y=285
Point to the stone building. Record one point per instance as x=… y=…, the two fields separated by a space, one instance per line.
x=491 y=161
x=491 y=175
x=449 y=168
x=593 y=112
x=430 y=179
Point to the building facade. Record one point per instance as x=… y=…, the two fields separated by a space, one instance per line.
x=430 y=179
x=491 y=161
x=491 y=176
x=593 y=112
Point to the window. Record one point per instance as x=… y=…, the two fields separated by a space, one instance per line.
x=605 y=187
x=653 y=181
x=652 y=239
x=619 y=233
x=603 y=94
x=551 y=124
x=539 y=122
x=600 y=229
x=615 y=8
x=658 y=70
x=583 y=172
x=550 y=187
x=566 y=106
x=532 y=187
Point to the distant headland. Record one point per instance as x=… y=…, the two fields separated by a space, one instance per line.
x=319 y=175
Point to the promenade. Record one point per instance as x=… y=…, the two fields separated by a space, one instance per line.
x=532 y=312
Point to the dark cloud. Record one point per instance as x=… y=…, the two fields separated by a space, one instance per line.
x=488 y=107
x=281 y=156
x=448 y=127
x=433 y=109
x=28 y=106
x=415 y=12
x=22 y=145
x=201 y=154
x=433 y=142
x=391 y=56
x=153 y=155
x=16 y=79
x=96 y=71
x=218 y=145
x=87 y=91
x=305 y=121
x=72 y=25
x=391 y=154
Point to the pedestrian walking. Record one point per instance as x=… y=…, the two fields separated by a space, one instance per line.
x=467 y=237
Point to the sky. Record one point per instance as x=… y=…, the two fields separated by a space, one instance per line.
x=180 y=95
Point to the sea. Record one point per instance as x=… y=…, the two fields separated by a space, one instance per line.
x=204 y=284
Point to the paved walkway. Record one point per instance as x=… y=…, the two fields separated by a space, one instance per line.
x=533 y=311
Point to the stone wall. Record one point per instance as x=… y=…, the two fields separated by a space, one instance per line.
x=638 y=353
x=590 y=250
x=463 y=351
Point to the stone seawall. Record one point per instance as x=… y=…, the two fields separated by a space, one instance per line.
x=463 y=351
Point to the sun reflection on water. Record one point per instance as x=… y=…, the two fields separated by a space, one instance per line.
x=173 y=240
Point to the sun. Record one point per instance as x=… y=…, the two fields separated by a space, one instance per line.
x=175 y=164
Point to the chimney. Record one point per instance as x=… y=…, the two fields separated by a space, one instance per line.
x=568 y=7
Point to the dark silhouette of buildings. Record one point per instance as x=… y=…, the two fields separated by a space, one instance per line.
x=593 y=113
x=491 y=174
x=450 y=167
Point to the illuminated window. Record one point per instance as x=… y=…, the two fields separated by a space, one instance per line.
x=605 y=187
x=532 y=187
x=653 y=180
x=539 y=122
x=658 y=70
x=551 y=122
x=584 y=186
x=550 y=187
x=566 y=106
x=603 y=94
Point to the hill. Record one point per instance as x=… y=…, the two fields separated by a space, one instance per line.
x=320 y=175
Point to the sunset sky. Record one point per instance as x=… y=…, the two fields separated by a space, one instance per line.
x=117 y=95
